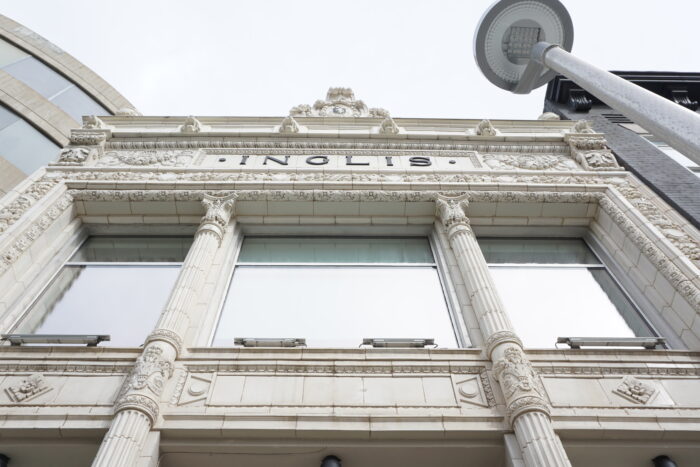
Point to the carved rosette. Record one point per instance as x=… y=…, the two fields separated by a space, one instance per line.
x=218 y=214
x=452 y=213
x=520 y=384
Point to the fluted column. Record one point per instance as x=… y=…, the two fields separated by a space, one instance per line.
x=526 y=404
x=137 y=405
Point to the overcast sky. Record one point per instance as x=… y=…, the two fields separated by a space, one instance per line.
x=216 y=57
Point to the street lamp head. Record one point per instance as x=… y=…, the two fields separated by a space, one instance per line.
x=507 y=33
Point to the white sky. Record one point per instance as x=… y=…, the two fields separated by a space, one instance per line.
x=217 y=57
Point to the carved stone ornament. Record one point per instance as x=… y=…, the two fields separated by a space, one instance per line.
x=218 y=213
x=470 y=391
x=529 y=162
x=150 y=372
x=191 y=126
x=486 y=128
x=29 y=388
x=452 y=211
x=168 y=336
x=289 y=125
x=520 y=384
x=91 y=122
x=138 y=402
x=88 y=138
x=582 y=126
x=636 y=391
x=501 y=337
x=592 y=152
x=388 y=127
x=168 y=158
x=73 y=156
x=339 y=102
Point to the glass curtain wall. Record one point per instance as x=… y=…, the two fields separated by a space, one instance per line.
x=557 y=287
x=335 y=291
x=111 y=285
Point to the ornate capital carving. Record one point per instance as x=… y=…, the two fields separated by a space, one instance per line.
x=501 y=337
x=520 y=384
x=218 y=213
x=452 y=211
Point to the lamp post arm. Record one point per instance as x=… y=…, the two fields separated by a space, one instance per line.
x=672 y=123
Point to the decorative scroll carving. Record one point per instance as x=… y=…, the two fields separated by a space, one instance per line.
x=339 y=102
x=452 y=211
x=486 y=128
x=168 y=158
x=388 y=127
x=579 y=101
x=520 y=384
x=529 y=162
x=289 y=125
x=29 y=388
x=191 y=126
x=636 y=391
x=91 y=122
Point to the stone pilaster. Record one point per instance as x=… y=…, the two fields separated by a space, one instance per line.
x=527 y=407
x=138 y=402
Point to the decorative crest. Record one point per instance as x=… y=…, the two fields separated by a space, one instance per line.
x=30 y=387
x=339 y=102
x=636 y=391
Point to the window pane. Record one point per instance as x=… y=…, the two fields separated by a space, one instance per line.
x=123 y=301
x=133 y=249
x=38 y=76
x=25 y=147
x=335 y=250
x=335 y=306
x=76 y=103
x=537 y=251
x=544 y=304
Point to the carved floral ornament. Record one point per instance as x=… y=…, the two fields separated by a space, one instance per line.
x=339 y=102
x=28 y=388
x=636 y=391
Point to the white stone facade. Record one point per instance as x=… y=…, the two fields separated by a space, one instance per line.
x=356 y=171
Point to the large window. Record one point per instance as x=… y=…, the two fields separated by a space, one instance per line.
x=559 y=288
x=47 y=82
x=111 y=285
x=22 y=144
x=335 y=291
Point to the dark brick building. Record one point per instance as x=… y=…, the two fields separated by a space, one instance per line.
x=675 y=178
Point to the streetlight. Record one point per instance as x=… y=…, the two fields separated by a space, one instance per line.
x=521 y=44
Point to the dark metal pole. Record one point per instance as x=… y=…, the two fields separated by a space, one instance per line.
x=329 y=461
x=663 y=461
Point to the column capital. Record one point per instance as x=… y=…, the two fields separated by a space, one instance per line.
x=452 y=211
x=219 y=210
